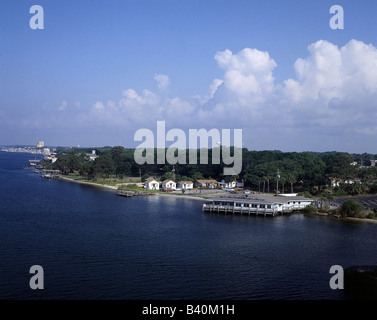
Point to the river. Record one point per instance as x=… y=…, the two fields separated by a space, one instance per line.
x=95 y=245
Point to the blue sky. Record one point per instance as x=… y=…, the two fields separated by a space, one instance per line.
x=100 y=70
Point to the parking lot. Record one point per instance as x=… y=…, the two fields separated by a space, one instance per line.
x=369 y=202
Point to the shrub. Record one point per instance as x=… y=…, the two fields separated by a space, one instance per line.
x=305 y=194
x=338 y=192
x=371 y=215
x=310 y=209
x=351 y=208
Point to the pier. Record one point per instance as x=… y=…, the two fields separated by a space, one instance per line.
x=50 y=174
x=265 y=205
x=33 y=163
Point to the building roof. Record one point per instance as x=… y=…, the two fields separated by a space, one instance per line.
x=265 y=198
x=150 y=180
x=166 y=181
x=186 y=182
x=207 y=181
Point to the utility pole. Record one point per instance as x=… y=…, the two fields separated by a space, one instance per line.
x=173 y=170
x=277 y=182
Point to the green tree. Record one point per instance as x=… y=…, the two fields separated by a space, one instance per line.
x=103 y=166
x=197 y=176
x=351 y=208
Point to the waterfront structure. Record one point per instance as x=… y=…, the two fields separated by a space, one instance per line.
x=206 y=184
x=40 y=144
x=51 y=157
x=185 y=185
x=267 y=205
x=51 y=174
x=168 y=185
x=151 y=184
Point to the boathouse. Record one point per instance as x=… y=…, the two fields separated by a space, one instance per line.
x=267 y=205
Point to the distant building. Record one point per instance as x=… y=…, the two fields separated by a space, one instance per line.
x=40 y=144
x=336 y=182
x=231 y=184
x=185 y=185
x=92 y=156
x=52 y=157
x=239 y=184
x=228 y=185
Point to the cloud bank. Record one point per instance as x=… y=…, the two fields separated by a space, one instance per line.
x=333 y=87
x=334 y=90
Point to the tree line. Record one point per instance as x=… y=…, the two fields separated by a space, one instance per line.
x=298 y=171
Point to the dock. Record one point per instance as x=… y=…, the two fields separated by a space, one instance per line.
x=265 y=205
x=50 y=174
x=33 y=163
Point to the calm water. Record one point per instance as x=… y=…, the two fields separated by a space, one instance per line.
x=95 y=245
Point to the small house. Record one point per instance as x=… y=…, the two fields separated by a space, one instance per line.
x=185 y=185
x=151 y=184
x=168 y=185
x=206 y=184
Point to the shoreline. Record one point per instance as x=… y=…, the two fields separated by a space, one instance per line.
x=353 y=219
x=114 y=189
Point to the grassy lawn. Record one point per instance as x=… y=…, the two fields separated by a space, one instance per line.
x=105 y=181
x=134 y=187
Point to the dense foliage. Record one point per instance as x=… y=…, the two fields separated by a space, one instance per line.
x=351 y=208
x=299 y=171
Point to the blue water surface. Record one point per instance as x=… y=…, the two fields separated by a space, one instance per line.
x=93 y=244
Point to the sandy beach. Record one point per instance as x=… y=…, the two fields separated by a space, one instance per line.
x=115 y=188
x=90 y=183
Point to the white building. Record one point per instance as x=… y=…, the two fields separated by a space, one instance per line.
x=51 y=157
x=239 y=184
x=40 y=144
x=336 y=182
x=231 y=184
x=228 y=185
x=151 y=184
x=185 y=185
x=264 y=205
x=168 y=184
x=92 y=156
